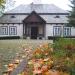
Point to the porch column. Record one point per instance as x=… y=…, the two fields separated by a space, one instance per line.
x=24 y=26
x=26 y=30
x=44 y=31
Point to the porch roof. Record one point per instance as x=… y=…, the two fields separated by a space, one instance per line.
x=34 y=18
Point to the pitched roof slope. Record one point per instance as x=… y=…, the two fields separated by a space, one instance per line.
x=39 y=8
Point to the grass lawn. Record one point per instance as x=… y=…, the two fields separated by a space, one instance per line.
x=63 y=52
x=10 y=48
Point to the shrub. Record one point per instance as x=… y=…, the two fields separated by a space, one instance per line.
x=64 y=51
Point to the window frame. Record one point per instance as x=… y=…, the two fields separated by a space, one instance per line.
x=54 y=31
x=3 y=32
x=67 y=31
x=11 y=32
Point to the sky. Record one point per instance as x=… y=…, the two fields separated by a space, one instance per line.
x=64 y=4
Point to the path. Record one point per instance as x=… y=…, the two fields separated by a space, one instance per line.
x=20 y=67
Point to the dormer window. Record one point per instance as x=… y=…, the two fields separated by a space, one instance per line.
x=57 y=16
x=12 y=16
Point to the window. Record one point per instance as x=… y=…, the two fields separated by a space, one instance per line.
x=57 y=16
x=12 y=30
x=3 y=30
x=57 y=31
x=67 y=31
x=12 y=16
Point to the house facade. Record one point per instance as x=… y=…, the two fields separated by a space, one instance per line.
x=36 y=21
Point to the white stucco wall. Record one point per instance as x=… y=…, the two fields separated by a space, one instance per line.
x=73 y=31
x=49 y=30
x=19 y=28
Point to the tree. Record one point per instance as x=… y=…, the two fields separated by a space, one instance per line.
x=6 y=5
x=2 y=5
x=72 y=14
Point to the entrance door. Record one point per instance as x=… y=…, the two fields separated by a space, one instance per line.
x=34 y=32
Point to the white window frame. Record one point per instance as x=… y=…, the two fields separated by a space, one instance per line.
x=67 y=31
x=57 y=30
x=3 y=30
x=12 y=30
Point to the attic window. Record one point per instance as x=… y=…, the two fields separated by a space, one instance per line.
x=57 y=16
x=12 y=16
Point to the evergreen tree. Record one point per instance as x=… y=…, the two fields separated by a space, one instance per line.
x=72 y=14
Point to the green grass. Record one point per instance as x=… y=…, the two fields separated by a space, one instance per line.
x=64 y=48
x=8 y=50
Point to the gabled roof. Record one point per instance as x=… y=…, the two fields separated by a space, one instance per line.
x=39 y=8
x=34 y=18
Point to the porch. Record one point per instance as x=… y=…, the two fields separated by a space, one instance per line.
x=34 y=31
x=34 y=26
